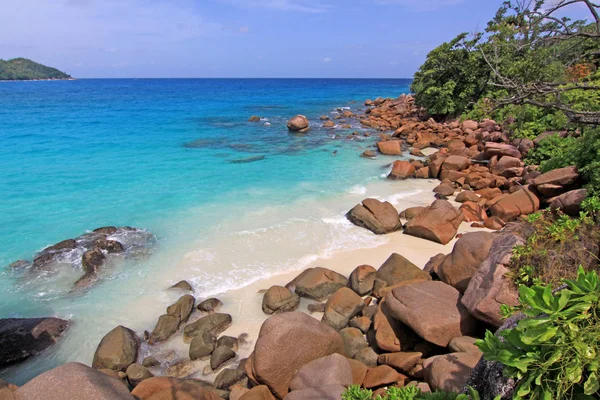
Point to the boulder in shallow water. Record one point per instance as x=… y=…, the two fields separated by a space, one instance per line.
x=117 y=350
x=110 y=246
x=50 y=254
x=299 y=123
x=166 y=326
x=214 y=323
x=183 y=285
x=21 y=338
x=210 y=305
x=202 y=346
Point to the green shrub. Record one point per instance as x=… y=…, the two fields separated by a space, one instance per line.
x=556 y=245
x=553 y=152
x=554 y=352
x=406 y=393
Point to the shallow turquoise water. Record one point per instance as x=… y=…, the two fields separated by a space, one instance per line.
x=77 y=155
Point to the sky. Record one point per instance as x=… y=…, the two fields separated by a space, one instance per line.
x=235 y=38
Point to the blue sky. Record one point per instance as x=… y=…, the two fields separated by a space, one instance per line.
x=235 y=38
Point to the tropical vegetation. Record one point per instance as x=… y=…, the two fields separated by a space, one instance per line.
x=22 y=69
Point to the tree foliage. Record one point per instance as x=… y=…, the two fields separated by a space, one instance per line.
x=20 y=69
x=452 y=79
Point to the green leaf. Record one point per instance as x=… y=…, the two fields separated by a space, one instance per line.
x=591 y=385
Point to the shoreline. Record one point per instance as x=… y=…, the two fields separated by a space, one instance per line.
x=244 y=304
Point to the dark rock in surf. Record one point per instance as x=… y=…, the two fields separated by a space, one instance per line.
x=21 y=338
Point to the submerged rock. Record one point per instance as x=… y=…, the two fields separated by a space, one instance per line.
x=21 y=338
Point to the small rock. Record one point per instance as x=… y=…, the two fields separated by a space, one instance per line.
x=210 y=305
x=202 y=346
x=136 y=373
x=228 y=377
x=362 y=279
x=150 y=362
x=279 y=299
x=220 y=356
x=183 y=285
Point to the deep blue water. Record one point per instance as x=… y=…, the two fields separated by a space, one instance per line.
x=80 y=154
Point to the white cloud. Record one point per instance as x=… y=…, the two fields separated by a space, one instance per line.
x=327 y=60
x=306 y=6
x=421 y=5
x=244 y=29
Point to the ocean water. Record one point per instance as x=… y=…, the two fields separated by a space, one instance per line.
x=229 y=201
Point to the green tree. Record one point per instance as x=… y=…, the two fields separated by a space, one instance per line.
x=452 y=79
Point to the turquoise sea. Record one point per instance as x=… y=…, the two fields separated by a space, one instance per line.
x=229 y=201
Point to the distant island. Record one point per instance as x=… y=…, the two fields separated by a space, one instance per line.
x=22 y=69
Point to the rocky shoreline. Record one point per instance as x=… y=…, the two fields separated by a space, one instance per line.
x=395 y=325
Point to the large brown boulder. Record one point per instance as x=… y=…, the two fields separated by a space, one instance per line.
x=508 y=167
x=521 y=202
x=279 y=299
x=376 y=216
x=362 y=279
x=380 y=376
x=433 y=310
x=21 y=338
x=285 y=343
x=330 y=370
x=403 y=361
x=450 y=372
x=402 y=170
x=489 y=289
x=561 y=176
x=73 y=381
x=472 y=212
x=317 y=283
x=397 y=269
x=468 y=253
x=260 y=392
x=501 y=150
x=165 y=388
x=456 y=163
x=390 y=334
x=438 y=223
x=570 y=202
x=390 y=147
x=117 y=350
x=299 y=123
x=341 y=307
x=354 y=341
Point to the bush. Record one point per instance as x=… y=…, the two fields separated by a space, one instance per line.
x=452 y=79
x=554 y=352
x=553 y=152
x=556 y=245
x=406 y=393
